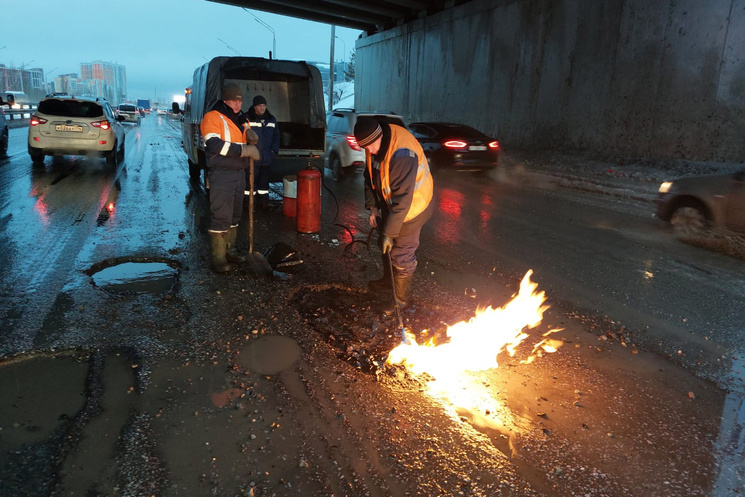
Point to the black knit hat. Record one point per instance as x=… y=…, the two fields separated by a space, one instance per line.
x=366 y=131
x=259 y=99
x=231 y=91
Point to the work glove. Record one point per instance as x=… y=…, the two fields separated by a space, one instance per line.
x=250 y=151
x=251 y=137
x=387 y=244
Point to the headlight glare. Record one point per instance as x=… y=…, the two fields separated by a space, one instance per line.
x=665 y=187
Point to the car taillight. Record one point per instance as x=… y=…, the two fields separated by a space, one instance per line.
x=352 y=141
x=455 y=144
x=494 y=145
x=101 y=124
x=35 y=121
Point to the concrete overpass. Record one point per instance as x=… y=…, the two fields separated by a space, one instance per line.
x=658 y=79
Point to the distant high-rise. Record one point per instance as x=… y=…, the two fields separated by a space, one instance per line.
x=112 y=78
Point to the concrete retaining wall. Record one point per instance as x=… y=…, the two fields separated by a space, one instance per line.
x=640 y=78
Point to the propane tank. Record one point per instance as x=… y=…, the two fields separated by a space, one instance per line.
x=308 y=200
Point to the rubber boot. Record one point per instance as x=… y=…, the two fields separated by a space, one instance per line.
x=231 y=254
x=382 y=284
x=403 y=293
x=219 y=263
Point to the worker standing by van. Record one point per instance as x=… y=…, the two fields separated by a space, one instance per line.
x=228 y=142
x=265 y=125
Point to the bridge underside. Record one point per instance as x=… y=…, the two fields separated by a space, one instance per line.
x=371 y=16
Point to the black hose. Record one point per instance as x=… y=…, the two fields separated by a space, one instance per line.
x=336 y=203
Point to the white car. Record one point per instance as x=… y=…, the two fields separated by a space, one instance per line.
x=65 y=125
x=343 y=155
x=130 y=112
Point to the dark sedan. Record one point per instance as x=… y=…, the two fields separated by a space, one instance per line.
x=716 y=200
x=456 y=146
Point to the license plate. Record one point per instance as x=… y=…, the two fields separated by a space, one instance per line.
x=477 y=148
x=69 y=127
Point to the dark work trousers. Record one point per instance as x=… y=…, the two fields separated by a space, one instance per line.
x=226 y=198
x=403 y=253
x=261 y=180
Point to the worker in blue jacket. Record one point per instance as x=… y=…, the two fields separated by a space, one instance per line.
x=265 y=125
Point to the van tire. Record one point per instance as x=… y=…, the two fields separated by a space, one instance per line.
x=193 y=170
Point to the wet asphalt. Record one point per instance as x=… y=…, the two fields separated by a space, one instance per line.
x=127 y=360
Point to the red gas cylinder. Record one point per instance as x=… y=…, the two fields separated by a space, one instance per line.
x=308 y=200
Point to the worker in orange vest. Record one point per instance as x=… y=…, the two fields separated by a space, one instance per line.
x=398 y=193
x=228 y=143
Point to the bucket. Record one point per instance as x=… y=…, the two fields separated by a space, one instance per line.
x=289 y=196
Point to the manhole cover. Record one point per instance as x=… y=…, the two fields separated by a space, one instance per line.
x=136 y=277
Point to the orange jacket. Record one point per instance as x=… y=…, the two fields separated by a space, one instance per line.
x=222 y=140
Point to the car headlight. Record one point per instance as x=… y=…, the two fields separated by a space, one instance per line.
x=665 y=187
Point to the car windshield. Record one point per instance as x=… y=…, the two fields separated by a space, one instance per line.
x=70 y=108
x=127 y=108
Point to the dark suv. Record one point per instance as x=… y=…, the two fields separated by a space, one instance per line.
x=68 y=125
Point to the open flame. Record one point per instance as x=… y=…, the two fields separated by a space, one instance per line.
x=475 y=345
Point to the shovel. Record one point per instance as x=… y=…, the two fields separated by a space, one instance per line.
x=257 y=261
x=404 y=337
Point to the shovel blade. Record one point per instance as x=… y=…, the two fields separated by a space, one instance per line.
x=259 y=264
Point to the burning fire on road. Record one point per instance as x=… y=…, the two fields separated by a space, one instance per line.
x=474 y=346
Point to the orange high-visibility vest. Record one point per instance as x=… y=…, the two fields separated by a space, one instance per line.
x=216 y=124
x=401 y=138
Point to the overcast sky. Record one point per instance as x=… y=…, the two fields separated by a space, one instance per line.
x=160 y=42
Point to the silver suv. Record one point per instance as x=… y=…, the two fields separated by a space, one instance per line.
x=343 y=155
x=68 y=125
x=130 y=112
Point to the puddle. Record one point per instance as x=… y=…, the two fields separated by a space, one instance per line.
x=39 y=395
x=137 y=277
x=270 y=354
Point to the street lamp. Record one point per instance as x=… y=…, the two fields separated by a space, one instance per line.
x=20 y=72
x=274 y=39
x=344 y=67
x=345 y=49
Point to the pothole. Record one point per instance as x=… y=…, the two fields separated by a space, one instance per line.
x=270 y=354
x=137 y=277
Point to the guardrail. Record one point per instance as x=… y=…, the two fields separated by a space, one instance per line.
x=24 y=112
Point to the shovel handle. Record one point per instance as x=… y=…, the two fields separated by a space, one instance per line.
x=250 y=206
x=395 y=299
